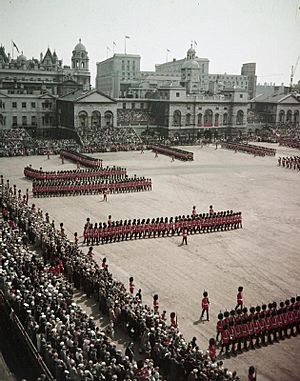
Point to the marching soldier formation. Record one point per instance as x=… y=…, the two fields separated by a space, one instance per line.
x=115 y=172
x=242 y=330
x=174 y=153
x=80 y=158
x=123 y=230
x=84 y=186
x=290 y=162
x=249 y=148
x=290 y=142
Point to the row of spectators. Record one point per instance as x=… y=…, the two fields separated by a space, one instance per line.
x=67 y=338
x=109 y=139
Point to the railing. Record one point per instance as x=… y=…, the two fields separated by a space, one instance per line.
x=41 y=367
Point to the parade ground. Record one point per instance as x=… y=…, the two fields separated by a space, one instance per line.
x=263 y=257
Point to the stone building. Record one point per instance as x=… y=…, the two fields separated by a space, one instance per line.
x=277 y=109
x=29 y=87
x=86 y=109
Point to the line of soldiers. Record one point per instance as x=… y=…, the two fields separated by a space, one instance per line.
x=39 y=174
x=75 y=187
x=260 y=326
x=289 y=142
x=116 y=231
x=290 y=162
x=249 y=148
x=80 y=158
x=175 y=153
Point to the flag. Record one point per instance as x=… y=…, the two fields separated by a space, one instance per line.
x=168 y=50
x=15 y=46
x=195 y=43
x=114 y=43
x=127 y=37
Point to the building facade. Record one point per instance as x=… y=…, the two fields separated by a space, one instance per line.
x=86 y=109
x=277 y=109
x=29 y=87
x=118 y=74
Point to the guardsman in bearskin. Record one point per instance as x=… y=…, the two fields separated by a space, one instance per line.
x=205 y=306
x=173 y=320
x=239 y=298
x=239 y=335
x=225 y=340
x=232 y=335
x=219 y=326
x=131 y=285
x=256 y=329
x=155 y=303
x=212 y=352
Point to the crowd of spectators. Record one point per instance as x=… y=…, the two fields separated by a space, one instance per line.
x=132 y=117
x=17 y=142
x=40 y=290
x=109 y=139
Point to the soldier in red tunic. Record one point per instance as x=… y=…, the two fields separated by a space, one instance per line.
x=205 y=306
x=212 y=350
x=239 y=298
x=131 y=285
x=155 y=303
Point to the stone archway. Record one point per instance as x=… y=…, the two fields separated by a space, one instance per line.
x=208 y=118
x=96 y=119
x=281 y=116
x=108 y=119
x=199 y=120
x=177 y=118
x=240 y=117
x=83 y=119
x=296 y=117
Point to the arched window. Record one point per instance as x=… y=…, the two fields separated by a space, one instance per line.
x=82 y=65
x=83 y=119
x=225 y=119
x=289 y=116
x=240 y=117
x=296 y=117
x=2 y=120
x=217 y=117
x=281 y=116
x=109 y=118
x=188 y=119
x=96 y=119
x=199 y=120
x=208 y=118
x=177 y=118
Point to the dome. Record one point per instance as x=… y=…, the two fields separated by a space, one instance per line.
x=21 y=57
x=80 y=46
x=190 y=64
x=191 y=51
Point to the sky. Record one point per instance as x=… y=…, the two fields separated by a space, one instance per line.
x=227 y=32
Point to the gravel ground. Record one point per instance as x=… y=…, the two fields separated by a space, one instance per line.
x=263 y=256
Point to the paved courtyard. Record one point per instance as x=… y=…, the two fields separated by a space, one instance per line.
x=263 y=256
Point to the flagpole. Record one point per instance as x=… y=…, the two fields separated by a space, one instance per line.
x=167 y=56
x=125 y=45
x=113 y=48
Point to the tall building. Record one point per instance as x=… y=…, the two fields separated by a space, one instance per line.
x=249 y=70
x=29 y=87
x=117 y=74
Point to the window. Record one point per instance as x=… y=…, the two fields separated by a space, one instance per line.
x=124 y=106
x=2 y=105
x=177 y=95
x=142 y=106
x=23 y=104
x=24 y=120
x=15 y=120
x=241 y=95
x=33 y=120
x=14 y=104
x=133 y=105
x=32 y=104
